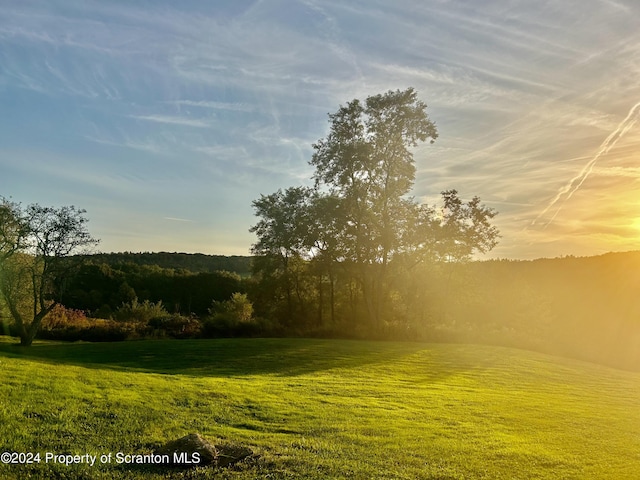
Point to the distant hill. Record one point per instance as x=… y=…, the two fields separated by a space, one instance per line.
x=193 y=262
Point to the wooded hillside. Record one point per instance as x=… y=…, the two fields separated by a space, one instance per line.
x=193 y=262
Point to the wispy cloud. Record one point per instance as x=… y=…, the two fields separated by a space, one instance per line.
x=630 y=172
x=142 y=145
x=221 y=101
x=236 y=107
x=567 y=191
x=173 y=120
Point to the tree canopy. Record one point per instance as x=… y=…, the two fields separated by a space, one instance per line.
x=359 y=220
x=35 y=245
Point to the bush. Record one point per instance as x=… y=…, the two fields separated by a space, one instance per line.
x=232 y=318
x=238 y=307
x=61 y=317
x=220 y=325
x=99 y=330
x=72 y=325
x=225 y=325
x=134 y=311
x=176 y=326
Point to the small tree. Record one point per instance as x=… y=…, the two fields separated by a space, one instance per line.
x=36 y=245
x=282 y=232
x=239 y=308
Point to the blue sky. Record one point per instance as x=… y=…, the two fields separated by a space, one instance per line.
x=164 y=120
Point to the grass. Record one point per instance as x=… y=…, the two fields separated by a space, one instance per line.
x=321 y=409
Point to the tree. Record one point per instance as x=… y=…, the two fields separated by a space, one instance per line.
x=452 y=233
x=36 y=245
x=238 y=308
x=282 y=242
x=359 y=219
x=13 y=229
x=366 y=161
x=322 y=238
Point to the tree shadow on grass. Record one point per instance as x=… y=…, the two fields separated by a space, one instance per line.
x=231 y=357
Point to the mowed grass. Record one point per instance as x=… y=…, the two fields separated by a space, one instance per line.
x=321 y=409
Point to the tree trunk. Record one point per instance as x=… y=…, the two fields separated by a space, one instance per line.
x=28 y=332
x=26 y=338
x=320 y=300
x=369 y=294
x=332 y=297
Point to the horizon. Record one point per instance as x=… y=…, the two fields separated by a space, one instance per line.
x=165 y=123
x=498 y=259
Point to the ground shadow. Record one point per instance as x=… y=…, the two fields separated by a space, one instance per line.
x=256 y=356
x=223 y=357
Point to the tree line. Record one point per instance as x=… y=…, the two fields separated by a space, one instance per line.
x=186 y=262
x=100 y=289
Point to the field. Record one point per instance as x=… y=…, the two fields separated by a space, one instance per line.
x=321 y=409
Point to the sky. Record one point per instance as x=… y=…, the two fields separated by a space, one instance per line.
x=165 y=120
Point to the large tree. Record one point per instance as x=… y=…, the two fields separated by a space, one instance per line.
x=366 y=161
x=360 y=219
x=36 y=248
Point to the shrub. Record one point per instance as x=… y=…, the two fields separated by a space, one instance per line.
x=134 y=311
x=231 y=318
x=176 y=326
x=61 y=317
x=220 y=325
x=224 y=325
x=73 y=325
x=98 y=330
x=238 y=307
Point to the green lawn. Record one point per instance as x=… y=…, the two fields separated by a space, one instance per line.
x=321 y=409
